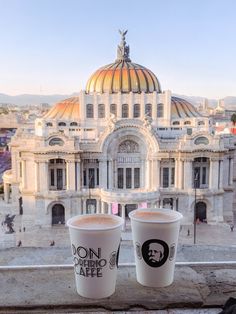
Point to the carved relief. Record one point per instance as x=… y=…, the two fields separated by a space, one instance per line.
x=128 y=147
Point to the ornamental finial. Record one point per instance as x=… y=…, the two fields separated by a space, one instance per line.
x=123 y=49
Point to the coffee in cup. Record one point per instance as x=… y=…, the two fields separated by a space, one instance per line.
x=155 y=237
x=95 y=242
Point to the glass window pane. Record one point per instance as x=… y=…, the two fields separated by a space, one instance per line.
x=128 y=178
x=136 y=178
x=136 y=110
x=165 y=177
x=91 y=178
x=120 y=178
x=172 y=181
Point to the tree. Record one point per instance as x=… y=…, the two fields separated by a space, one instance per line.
x=233 y=118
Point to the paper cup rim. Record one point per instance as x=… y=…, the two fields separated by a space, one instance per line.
x=178 y=215
x=120 y=222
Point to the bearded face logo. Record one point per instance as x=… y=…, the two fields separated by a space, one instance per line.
x=155 y=252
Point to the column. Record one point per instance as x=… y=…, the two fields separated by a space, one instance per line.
x=70 y=175
x=103 y=174
x=221 y=174
x=148 y=174
x=188 y=175
x=154 y=174
x=83 y=211
x=78 y=175
x=213 y=180
x=110 y=175
x=180 y=179
x=231 y=171
x=24 y=174
x=98 y=207
x=43 y=176
x=36 y=176
x=177 y=175
x=158 y=165
x=123 y=216
x=103 y=207
x=109 y=208
x=6 y=192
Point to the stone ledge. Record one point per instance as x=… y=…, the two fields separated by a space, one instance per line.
x=196 y=285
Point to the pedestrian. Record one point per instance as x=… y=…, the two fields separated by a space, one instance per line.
x=232 y=228
x=24 y=229
x=188 y=233
x=19 y=243
x=52 y=243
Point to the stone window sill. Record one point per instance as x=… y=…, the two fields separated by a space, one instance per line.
x=52 y=288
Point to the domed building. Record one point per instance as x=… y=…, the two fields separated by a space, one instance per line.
x=120 y=144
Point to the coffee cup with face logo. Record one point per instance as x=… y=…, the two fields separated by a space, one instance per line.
x=155 y=237
x=95 y=242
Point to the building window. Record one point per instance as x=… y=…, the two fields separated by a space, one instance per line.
x=61 y=124
x=172 y=178
x=125 y=111
x=91 y=178
x=85 y=177
x=176 y=123
x=148 y=110
x=49 y=124
x=89 y=111
x=74 y=124
x=120 y=178
x=113 y=109
x=97 y=176
x=160 y=110
x=128 y=178
x=165 y=182
x=136 y=178
x=187 y=122
x=136 y=110
x=201 y=168
x=101 y=111
x=91 y=206
x=56 y=141
x=57 y=174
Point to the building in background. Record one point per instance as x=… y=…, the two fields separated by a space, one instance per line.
x=121 y=143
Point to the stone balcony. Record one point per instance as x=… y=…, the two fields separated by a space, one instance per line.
x=129 y=196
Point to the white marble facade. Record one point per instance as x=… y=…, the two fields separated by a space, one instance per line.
x=120 y=148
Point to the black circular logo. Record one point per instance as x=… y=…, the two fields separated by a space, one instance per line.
x=155 y=252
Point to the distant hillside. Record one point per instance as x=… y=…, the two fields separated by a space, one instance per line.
x=27 y=99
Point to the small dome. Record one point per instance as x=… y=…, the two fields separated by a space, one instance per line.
x=181 y=108
x=68 y=109
x=123 y=75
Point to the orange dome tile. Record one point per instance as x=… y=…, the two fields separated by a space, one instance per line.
x=68 y=109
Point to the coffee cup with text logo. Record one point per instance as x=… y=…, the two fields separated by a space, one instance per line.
x=155 y=237
x=95 y=241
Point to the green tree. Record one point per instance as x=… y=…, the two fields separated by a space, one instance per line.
x=233 y=118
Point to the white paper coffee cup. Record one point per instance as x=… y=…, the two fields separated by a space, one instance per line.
x=155 y=237
x=95 y=241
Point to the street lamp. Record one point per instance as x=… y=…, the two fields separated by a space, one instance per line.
x=195 y=207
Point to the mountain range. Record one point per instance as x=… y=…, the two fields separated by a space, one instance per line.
x=31 y=99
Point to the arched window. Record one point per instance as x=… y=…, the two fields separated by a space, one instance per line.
x=113 y=109
x=148 y=110
x=49 y=124
x=89 y=111
x=74 y=124
x=125 y=111
x=56 y=141
x=176 y=123
x=61 y=124
x=187 y=122
x=201 y=123
x=101 y=111
x=160 y=110
x=136 y=110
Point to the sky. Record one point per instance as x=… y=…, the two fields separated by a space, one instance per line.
x=54 y=46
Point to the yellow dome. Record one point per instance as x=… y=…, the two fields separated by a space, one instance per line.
x=123 y=75
x=68 y=109
x=181 y=108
